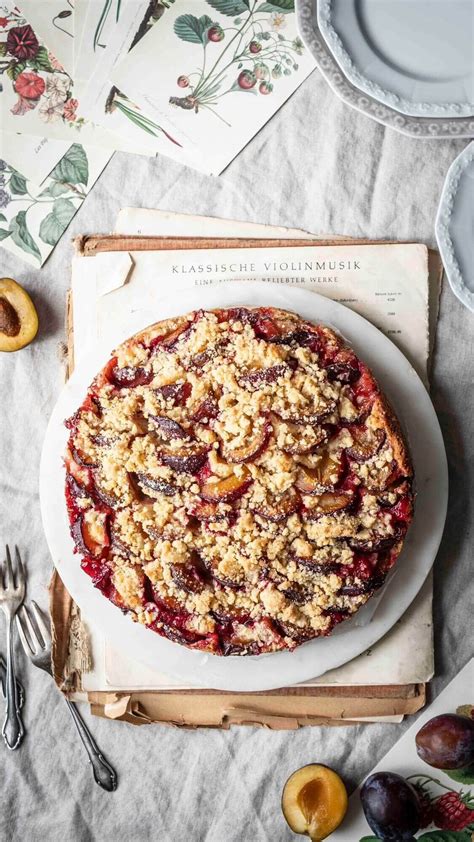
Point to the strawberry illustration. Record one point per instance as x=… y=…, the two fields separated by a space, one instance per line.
x=453 y=811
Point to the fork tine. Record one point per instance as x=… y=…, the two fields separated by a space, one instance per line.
x=34 y=642
x=23 y=638
x=41 y=624
x=20 y=571
x=9 y=581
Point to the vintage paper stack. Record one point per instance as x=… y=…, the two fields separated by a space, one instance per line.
x=391 y=284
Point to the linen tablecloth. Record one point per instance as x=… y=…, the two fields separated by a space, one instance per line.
x=317 y=165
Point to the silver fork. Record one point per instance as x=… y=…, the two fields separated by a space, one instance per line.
x=38 y=649
x=11 y=597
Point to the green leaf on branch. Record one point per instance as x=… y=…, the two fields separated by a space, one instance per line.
x=56 y=222
x=15 y=68
x=4 y=234
x=230 y=7
x=41 y=61
x=3 y=217
x=17 y=184
x=73 y=167
x=192 y=29
x=55 y=189
x=284 y=6
x=3 y=48
x=22 y=237
x=462 y=776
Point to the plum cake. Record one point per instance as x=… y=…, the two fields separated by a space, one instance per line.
x=236 y=481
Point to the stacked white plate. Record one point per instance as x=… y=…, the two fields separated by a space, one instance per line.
x=408 y=64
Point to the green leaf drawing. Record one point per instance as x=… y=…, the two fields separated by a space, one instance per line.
x=369 y=839
x=3 y=217
x=192 y=29
x=22 y=237
x=462 y=776
x=73 y=167
x=17 y=184
x=3 y=48
x=4 y=234
x=15 y=68
x=56 y=222
x=41 y=60
x=230 y=7
x=55 y=189
x=284 y=6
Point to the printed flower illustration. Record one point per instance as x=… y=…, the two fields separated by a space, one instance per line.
x=70 y=108
x=22 y=42
x=29 y=85
x=3 y=22
x=57 y=88
x=4 y=198
x=244 y=57
x=278 y=21
x=50 y=111
x=23 y=106
x=55 y=64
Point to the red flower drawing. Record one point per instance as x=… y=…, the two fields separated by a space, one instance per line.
x=29 y=85
x=22 y=42
x=70 y=107
x=22 y=106
x=3 y=22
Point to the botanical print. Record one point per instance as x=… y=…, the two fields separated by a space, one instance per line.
x=110 y=9
x=59 y=20
x=253 y=52
x=36 y=76
x=32 y=219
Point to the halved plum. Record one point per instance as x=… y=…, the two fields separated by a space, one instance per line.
x=85 y=541
x=104 y=496
x=279 y=508
x=329 y=503
x=207 y=511
x=319 y=415
x=297 y=594
x=190 y=577
x=81 y=474
x=378 y=482
x=299 y=446
x=324 y=477
x=207 y=410
x=376 y=543
x=168 y=427
x=315 y=565
x=252 y=449
x=81 y=458
x=168 y=341
x=226 y=490
x=185 y=460
x=366 y=443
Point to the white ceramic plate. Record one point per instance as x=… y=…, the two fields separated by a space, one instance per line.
x=415 y=55
x=436 y=128
x=455 y=226
x=406 y=391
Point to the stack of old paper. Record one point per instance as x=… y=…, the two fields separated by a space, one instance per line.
x=190 y=79
x=393 y=289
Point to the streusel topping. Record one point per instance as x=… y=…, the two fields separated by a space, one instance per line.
x=236 y=481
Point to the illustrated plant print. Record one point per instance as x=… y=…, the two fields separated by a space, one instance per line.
x=109 y=7
x=117 y=101
x=249 y=56
x=38 y=79
x=57 y=203
x=59 y=20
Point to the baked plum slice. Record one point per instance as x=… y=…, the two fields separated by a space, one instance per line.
x=366 y=443
x=185 y=460
x=129 y=377
x=146 y=483
x=261 y=376
x=169 y=428
x=190 y=577
x=87 y=542
x=383 y=478
x=252 y=448
x=376 y=543
x=279 y=508
x=177 y=393
x=225 y=490
x=206 y=410
x=208 y=512
x=299 y=446
x=324 y=477
x=319 y=415
x=80 y=473
x=329 y=503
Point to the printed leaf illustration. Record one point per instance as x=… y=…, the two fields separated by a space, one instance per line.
x=55 y=223
x=41 y=61
x=21 y=235
x=3 y=217
x=284 y=6
x=462 y=776
x=3 y=48
x=56 y=189
x=14 y=69
x=73 y=167
x=191 y=28
x=446 y=836
x=4 y=234
x=230 y=7
x=18 y=184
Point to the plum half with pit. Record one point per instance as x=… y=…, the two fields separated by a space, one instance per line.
x=18 y=316
x=447 y=742
x=314 y=801
x=391 y=806
x=225 y=490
